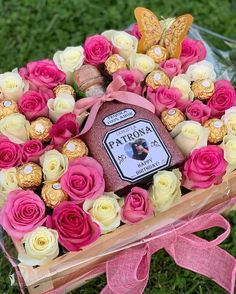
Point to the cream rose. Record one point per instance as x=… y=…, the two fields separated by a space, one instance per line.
x=142 y=62
x=12 y=85
x=8 y=182
x=41 y=246
x=69 y=60
x=183 y=83
x=16 y=127
x=189 y=135
x=105 y=211
x=63 y=103
x=124 y=42
x=201 y=70
x=165 y=189
x=229 y=119
x=229 y=146
x=54 y=164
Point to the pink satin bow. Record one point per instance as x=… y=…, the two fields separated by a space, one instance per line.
x=115 y=91
x=128 y=272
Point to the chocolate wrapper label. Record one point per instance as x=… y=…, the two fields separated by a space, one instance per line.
x=136 y=150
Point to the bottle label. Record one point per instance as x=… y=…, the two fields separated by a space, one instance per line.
x=119 y=116
x=136 y=150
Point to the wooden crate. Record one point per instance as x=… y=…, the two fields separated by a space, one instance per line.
x=71 y=268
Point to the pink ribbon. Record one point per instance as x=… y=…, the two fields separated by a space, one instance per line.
x=115 y=91
x=128 y=272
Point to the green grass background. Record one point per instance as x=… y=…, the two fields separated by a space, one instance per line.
x=35 y=29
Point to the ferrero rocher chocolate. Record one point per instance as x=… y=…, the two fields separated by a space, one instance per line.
x=203 y=89
x=7 y=107
x=157 y=78
x=29 y=175
x=39 y=129
x=75 y=148
x=171 y=117
x=53 y=194
x=114 y=63
x=217 y=130
x=89 y=80
x=64 y=88
x=157 y=53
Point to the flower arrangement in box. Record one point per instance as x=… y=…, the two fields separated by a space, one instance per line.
x=110 y=133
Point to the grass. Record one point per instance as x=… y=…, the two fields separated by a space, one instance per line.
x=35 y=29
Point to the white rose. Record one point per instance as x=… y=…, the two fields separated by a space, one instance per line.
x=63 y=103
x=54 y=164
x=189 y=135
x=8 y=182
x=41 y=246
x=142 y=62
x=183 y=83
x=201 y=70
x=12 y=85
x=165 y=189
x=16 y=127
x=105 y=211
x=229 y=146
x=69 y=60
x=124 y=42
x=229 y=119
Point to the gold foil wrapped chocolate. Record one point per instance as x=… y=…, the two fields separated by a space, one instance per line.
x=157 y=78
x=29 y=175
x=157 y=53
x=89 y=80
x=75 y=148
x=203 y=89
x=53 y=194
x=171 y=117
x=7 y=107
x=39 y=129
x=217 y=130
x=64 y=88
x=114 y=63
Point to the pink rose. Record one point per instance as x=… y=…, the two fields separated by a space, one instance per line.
x=205 y=167
x=192 y=52
x=137 y=206
x=166 y=98
x=132 y=79
x=135 y=31
x=97 y=49
x=83 y=179
x=23 y=212
x=10 y=153
x=172 y=67
x=42 y=74
x=32 y=150
x=198 y=111
x=65 y=128
x=223 y=98
x=33 y=104
x=74 y=226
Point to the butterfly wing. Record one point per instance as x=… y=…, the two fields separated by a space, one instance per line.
x=149 y=27
x=176 y=33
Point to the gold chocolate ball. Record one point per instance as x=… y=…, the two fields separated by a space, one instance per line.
x=157 y=53
x=217 y=130
x=203 y=89
x=53 y=194
x=171 y=117
x=29 y=175
x=7 y=107
x=114 y=63
x=157 y=78
x=63 y=88
x=39 y=129
x=75 y=148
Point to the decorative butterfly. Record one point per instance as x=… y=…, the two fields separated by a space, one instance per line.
x=168 y=33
